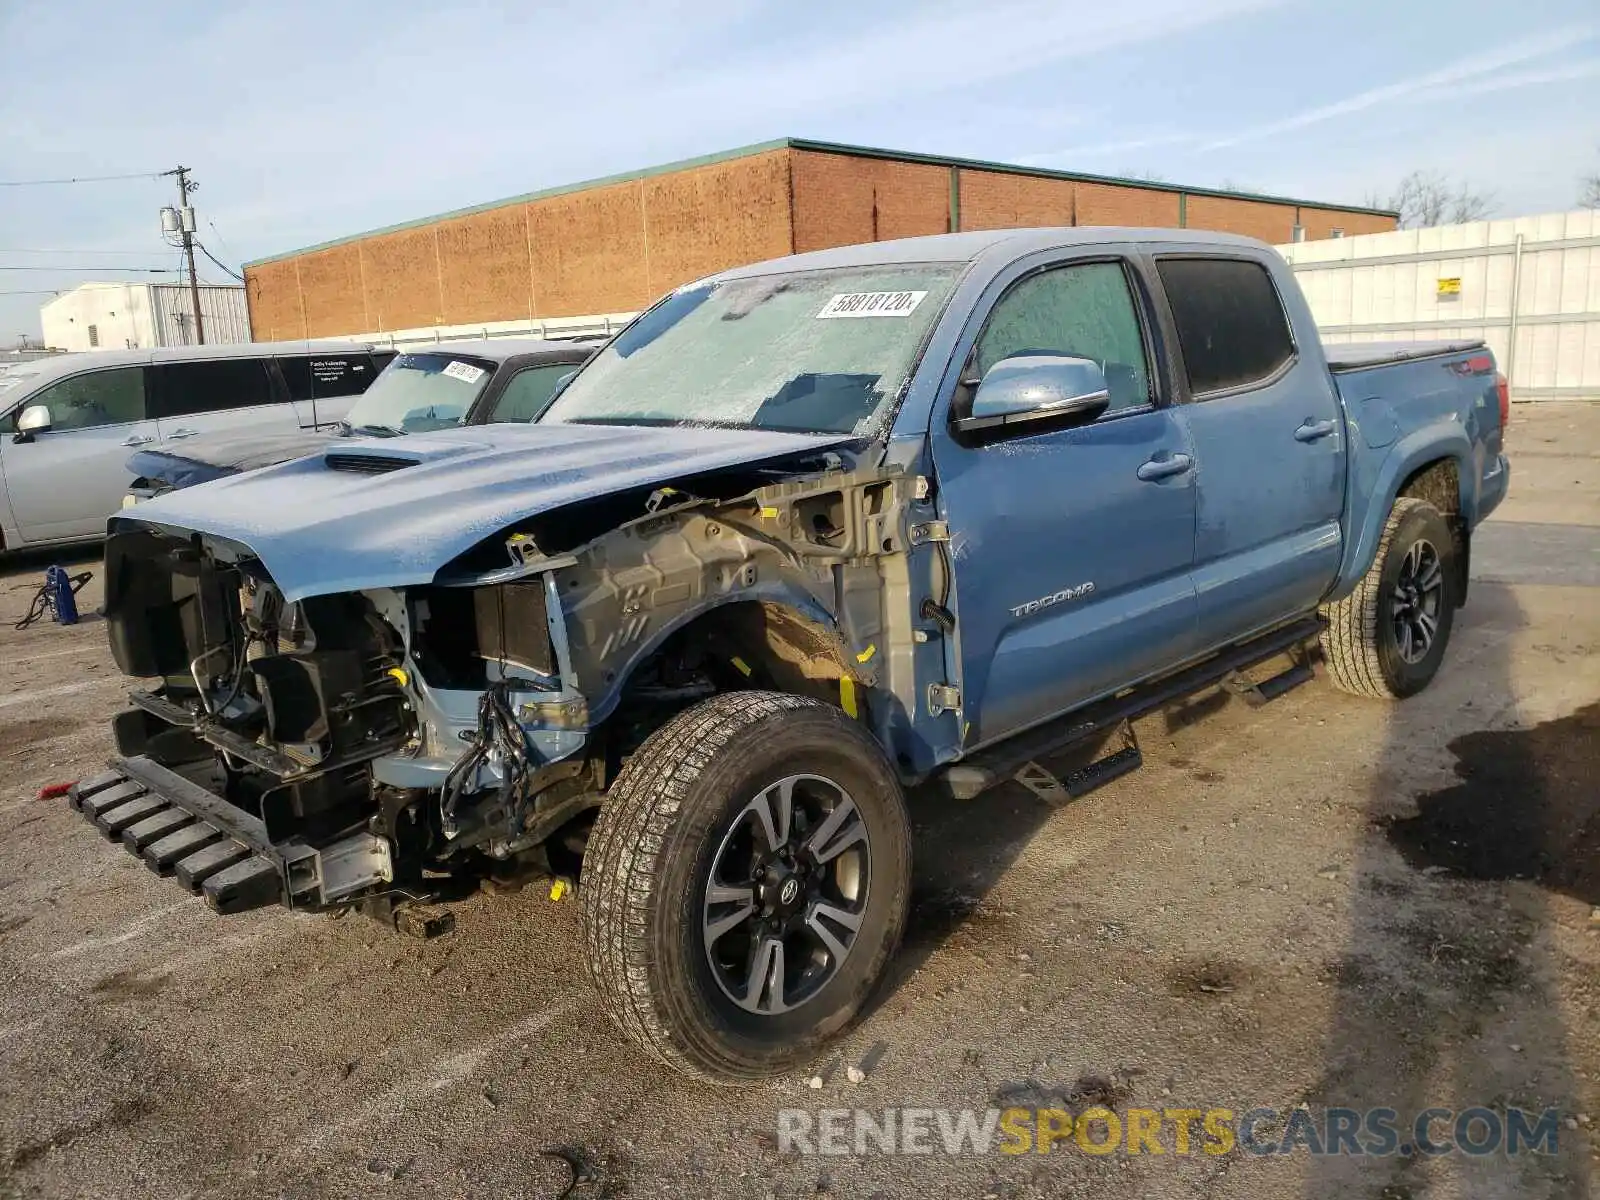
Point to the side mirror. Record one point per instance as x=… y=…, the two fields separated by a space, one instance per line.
x=34 y=419
x=1037 y=387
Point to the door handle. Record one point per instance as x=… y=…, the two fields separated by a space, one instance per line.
x=181 y=433
x=133 y=439
x=1164 y=468
x=1312 y=430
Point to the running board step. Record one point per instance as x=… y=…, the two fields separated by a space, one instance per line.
x=1256 y=693
x=1054 y=790
x=1001 y=761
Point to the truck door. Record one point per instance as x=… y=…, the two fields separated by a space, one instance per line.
x=1071 y=544
x=1268 y=438
x=65 y=482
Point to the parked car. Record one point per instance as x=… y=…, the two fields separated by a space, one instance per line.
x=806 y=533
x=470 y=382
x=73 y=418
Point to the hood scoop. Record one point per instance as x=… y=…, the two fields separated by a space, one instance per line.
x=367 y=464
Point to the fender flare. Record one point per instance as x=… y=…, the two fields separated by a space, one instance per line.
x=1373 y=493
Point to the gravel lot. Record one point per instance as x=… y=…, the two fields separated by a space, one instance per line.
x=1323 y=900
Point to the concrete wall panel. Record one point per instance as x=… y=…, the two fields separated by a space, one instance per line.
x=274 y=292
x=402 y=276
x=485 y=270
x=589 y=251
x=710 y=218
x=1253 y=218
x=994 y=200
x=1107 y=204
x=841 y=200
x=330 y=288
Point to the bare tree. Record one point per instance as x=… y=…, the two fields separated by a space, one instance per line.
x=1589 y=191
x=1425 y=198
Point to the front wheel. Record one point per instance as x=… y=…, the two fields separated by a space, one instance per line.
x=1387 y=638
x=745 y=884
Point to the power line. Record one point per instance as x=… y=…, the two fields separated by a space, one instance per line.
x=131 y=270
x=79 y=179
x=221 y=241
x=224 y=266
x=81 y=287
x=37 y=250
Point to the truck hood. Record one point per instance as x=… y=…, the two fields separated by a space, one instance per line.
x=190 y=461
x=390 y=513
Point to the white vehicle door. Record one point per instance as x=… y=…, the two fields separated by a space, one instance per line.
x=63 y=483
x=219 y=395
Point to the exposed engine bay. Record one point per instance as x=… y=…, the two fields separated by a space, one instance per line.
x=393 y=745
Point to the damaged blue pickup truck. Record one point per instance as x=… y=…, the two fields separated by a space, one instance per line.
x=944 y=512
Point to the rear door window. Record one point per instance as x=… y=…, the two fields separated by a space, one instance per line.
x=114 y=397
x=1231 y=324
x=186 y=388
x=528 y=391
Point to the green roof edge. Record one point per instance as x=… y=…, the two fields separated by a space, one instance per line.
x=787 y=143
x=979 y=164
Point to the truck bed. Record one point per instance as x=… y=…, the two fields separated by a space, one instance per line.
x=1358 y=356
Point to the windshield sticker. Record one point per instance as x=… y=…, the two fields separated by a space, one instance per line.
x=872 y=304
x=465 y=372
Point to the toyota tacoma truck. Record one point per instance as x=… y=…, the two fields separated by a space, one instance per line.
x=946 y=512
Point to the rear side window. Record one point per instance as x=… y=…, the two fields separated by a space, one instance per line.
x=1230 y=321
x=327 y=376
x=183 y=389
x=528 y=391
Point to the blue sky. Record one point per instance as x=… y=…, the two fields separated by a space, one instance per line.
x=303 y=122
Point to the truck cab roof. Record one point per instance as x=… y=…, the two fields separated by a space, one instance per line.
x=1003 y=244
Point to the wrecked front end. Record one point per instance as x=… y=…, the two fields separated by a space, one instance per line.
x=388 y=745
x=337 y=747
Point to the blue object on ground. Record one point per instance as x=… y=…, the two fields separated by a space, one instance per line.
x=58 y=593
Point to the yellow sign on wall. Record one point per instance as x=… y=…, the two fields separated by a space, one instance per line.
x=1450 y=288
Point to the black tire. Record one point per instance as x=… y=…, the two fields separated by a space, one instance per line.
x=1368 y=653
x=645 y=894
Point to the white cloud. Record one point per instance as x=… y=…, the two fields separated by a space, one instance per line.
x=1477 y=73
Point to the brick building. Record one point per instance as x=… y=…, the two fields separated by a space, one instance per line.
x=613 y=245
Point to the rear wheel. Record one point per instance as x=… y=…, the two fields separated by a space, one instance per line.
x=1387 y=638
x=745 y=884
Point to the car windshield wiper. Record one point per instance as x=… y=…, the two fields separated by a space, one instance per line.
x=379 y=430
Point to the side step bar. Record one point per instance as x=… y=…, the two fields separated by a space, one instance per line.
x=1017 y=757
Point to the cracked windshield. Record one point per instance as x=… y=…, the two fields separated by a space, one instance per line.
x=813 y=352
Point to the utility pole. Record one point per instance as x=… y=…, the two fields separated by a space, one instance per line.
x=186 y=231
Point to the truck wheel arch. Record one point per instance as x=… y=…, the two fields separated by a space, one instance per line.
x=787 y=643
x=1424 y=459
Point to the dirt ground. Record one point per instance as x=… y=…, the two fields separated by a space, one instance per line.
x=1323 y=901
